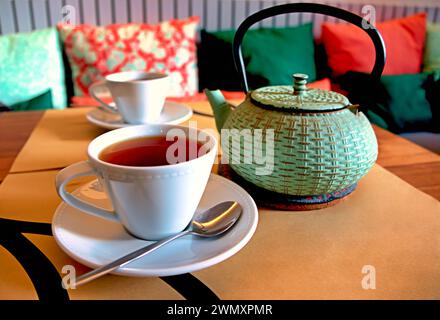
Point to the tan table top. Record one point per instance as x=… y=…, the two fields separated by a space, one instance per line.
x=386 y=223
x=412 y=163
x=61 y=138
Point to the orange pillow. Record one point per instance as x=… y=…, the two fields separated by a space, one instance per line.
x=350 y=49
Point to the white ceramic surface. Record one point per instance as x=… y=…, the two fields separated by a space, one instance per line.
x=172 y=113
x=95 y=242
x=151 y=202
x=139 y=96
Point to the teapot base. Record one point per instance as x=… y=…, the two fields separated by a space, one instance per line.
x=286 y=202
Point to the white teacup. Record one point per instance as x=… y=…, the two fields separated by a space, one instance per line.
x=151 y=202
x=139 y=96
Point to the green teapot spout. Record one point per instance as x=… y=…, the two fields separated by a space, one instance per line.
x=222 y=109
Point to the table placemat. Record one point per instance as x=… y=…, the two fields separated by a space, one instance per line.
x=61 y=138
x=386 y=226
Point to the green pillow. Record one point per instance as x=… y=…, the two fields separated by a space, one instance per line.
x=271 y=56
x=400 y=103
x=376 y=119
x=31 y=63
x=40 y=102
x=407 y=101
x=432 y=48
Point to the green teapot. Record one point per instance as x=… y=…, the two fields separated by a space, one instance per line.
x=312 y=141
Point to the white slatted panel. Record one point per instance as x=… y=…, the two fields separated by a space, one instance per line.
x=130 y=9
x=152 y=11
x=344 y=6
x=280 y=20
x=404 y=11
x=400 y=11
x=437 y=15
x=104 y=12
x=54 y=11
x=197 y=9
x=39 y=12
x=318 y=19
x=332 y=19
x=307 y=17
x=378 y=10
x=76 y=15
x=212 y=16
x=183 y=9
x=26 y=15
x=121 y=11
x=254 y=6
x=167 y=10
x=240 y=12
x=420 y=8
x=431 y=14
x=6 y=17
x=136 y=11
x=387 y=13
x=23 y=11
x=410 y=11
x=225 y=15
x=267 y=23
x=300 y=18
x=356 y=8
x=89 y=12
x=292 y=19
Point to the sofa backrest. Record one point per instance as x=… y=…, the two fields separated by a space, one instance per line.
x=27 y=15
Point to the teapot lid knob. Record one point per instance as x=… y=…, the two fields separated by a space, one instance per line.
x=299 y=83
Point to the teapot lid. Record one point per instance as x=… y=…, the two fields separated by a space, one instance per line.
x=299 y=98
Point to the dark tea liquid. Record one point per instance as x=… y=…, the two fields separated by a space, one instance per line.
x=150 y=151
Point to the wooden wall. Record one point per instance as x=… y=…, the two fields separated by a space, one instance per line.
x=27 y=15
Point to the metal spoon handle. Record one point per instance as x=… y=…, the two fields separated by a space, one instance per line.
x=201 y=113
x=98 y=272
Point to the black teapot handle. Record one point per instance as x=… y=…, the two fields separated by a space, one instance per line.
x=348 y=16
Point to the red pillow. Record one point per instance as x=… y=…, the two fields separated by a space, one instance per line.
x=349 y=48
x=169 y=47
x=323 y=84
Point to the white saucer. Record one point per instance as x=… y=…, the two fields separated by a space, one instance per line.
x=172 y=113
x=94 y=241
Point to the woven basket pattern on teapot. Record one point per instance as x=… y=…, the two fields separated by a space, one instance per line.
x=314 y=153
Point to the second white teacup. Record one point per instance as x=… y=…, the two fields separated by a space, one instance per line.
x=152 y=202
x=139 y=96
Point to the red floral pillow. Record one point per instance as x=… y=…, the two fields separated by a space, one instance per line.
x=169 y=47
